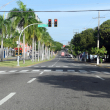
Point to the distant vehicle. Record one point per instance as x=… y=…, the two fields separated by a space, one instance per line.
x=62 y=54
x=70 y=56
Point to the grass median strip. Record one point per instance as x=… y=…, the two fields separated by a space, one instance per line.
x=27 y=63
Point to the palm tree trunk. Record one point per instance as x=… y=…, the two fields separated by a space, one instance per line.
x=35 y=49
x=45 y=52
x=52 y=53
x=49 y=53
x=24 y=49
x=27 y=50
x=38 y=50
x=2 y=49
x=42 y=51
x=7 y=52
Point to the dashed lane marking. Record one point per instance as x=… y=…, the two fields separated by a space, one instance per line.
x=41 y=73
x=7 y=98
x=31 y=80
x=99 y=77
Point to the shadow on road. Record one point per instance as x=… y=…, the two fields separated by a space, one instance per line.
x=94 y=87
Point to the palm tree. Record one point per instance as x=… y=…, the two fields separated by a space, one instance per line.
x=5 y=26
x=21 y=20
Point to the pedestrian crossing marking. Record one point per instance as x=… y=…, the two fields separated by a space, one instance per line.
x=83 y=71
x=71 y=70
x=35 y=70
x=59 y=70
x=13 y=71
x=23 y=70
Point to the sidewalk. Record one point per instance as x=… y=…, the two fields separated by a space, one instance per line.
x=106 y=65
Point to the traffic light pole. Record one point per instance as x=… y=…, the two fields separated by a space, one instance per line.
x=18 y=55
x=20 y=37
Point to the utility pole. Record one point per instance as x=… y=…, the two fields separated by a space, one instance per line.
x=98 y=34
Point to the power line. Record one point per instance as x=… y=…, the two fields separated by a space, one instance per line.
x=6 y=4
x=60 y=11
x=69 y=4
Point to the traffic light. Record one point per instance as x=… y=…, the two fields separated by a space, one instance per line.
x=20 y=51
x=55 y=22
x=49 y=22
x=16 y=51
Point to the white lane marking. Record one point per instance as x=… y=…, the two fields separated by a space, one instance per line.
x=31 y=80
x=55 y=63
x=13 y=71
x=41 y=73
x=59 y=70
x=2 y=71
x=23 y=70
x=105 y=72
x=71 y=70
x=35 y=70
x=36 y=66
x=99 y=77
x=65 y=66
x=50 y=66
x=47 y=70
x=43 y=66
x=7 y=97
x=83 y=71
x=94 y=71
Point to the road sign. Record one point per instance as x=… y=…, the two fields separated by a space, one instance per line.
x=42 y=25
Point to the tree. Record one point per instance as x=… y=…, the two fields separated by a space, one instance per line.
x=5 y=25
x=100 y=52
x=105 y=36
x=21 y=20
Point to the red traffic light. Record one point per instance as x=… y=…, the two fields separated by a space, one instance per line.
x=49 y=20
x=16 y=48
x=55 y=20
x=49 y=23
x=20 y=48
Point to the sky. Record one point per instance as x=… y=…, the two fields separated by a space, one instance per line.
x=69 y=23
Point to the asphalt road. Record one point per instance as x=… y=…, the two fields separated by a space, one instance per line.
x=59 y=84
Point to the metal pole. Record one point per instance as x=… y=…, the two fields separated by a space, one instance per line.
x=98 y=36
x=22 y=32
